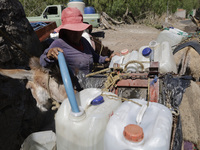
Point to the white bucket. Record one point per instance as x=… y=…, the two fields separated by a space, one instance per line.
x=173 y=35
x=86 y=131
x=77 y=4
x=155 y=121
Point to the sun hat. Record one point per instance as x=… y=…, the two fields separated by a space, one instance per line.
x=72 y=19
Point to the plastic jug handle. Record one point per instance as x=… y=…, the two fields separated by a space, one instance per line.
x=141 y=114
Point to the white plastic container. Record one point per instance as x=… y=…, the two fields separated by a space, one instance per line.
x=124 y=59
x=44 y=140
x=154 y=124
x=133 y=66
x=144 y=59
x=84 y=131
x=77 y=4
x=173 y=35
x=163 y=55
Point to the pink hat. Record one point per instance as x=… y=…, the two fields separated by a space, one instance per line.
x=72 y=19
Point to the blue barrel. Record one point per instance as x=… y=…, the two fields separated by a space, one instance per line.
x=89 y=10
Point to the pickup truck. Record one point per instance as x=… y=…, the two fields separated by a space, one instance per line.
x=53 y=13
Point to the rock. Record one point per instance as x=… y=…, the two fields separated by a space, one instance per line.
x=16 y=29
x=19 y=115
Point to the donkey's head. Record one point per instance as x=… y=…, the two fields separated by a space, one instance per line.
x=43 y=87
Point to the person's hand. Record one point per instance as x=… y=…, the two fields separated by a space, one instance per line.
x=53 y=53
x=113 y=54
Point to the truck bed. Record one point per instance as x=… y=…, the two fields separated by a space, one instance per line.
x=43 y=29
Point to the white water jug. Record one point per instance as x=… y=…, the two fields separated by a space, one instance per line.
x=163 y=55
x=173 y=35
x=85 y=130
x=124 y=59
x=133 y=127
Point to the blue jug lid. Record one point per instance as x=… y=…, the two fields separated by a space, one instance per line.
x=98 y=100
x=146 y=51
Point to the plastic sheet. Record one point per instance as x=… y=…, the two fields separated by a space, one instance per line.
x=173 y=89
x=38 y=25
x=44 y=140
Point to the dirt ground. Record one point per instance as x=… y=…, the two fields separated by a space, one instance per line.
x=132 y=37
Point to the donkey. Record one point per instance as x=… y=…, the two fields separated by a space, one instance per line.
x=187 y=62
x=42 y=85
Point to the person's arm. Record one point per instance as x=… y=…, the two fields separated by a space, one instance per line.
x=103 y=59
x=50 y=55
x=44 y=61
x=96 y=57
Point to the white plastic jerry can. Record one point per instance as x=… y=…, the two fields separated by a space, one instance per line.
x=85 y=130
x=172 y=35
x=140 y=60
x=162 y=53
x=134 y=127
x=127 y=60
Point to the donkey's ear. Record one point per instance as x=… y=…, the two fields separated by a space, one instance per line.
x=17 y=73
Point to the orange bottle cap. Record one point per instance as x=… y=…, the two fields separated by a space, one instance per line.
x=133 y=133
x=124 y=51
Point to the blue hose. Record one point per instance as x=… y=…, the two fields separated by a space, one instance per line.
x=67 y=83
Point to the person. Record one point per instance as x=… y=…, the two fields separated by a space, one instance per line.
x=77 y=51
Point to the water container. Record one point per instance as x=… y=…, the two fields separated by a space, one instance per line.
x=44 y=140
x=78 y=4
x=85 y=131
x=133 y=127
x=89 y=10
x=144 y=55
x=54 y=35
x=130 y=62
x=173 y=35
x=162 y=54
x=127 y=57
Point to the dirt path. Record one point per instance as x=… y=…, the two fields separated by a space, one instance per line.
x=132 y=37
x=129 y=37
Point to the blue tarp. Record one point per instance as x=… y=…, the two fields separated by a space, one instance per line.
x=38 y=25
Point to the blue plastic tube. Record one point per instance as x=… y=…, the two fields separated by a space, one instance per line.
x=67 y=83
